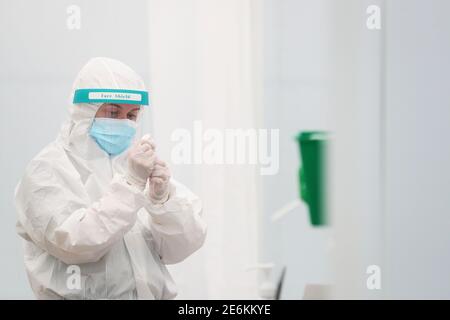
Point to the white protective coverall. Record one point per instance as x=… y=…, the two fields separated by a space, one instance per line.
x=88 y=233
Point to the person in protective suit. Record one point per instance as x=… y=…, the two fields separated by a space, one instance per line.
x=99 y=213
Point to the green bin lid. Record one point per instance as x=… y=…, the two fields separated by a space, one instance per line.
x=311 y=135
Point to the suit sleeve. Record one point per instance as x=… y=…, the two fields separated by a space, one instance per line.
x=176 y=226
x=56 y=214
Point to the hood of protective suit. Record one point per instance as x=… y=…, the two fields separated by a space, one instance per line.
x=98 y=73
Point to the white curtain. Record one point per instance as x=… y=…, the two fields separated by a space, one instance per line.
x=204 y=66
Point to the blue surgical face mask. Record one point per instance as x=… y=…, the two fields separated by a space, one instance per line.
x=113 y=135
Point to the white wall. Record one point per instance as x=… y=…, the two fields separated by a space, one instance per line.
x=391 y=175
x=418 y=149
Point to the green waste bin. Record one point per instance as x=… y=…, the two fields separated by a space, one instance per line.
x=312 y=174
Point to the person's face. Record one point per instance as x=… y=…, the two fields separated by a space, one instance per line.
x=118 y=111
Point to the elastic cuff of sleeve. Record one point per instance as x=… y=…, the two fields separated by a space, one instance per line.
x=172 y=204
x=137 y=196
x=160 y=201
x=138 y=183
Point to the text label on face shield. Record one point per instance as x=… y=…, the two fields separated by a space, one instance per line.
x=115 y=96
x=137 y=97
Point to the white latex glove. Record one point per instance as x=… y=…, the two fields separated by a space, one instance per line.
x=159 y=182
x=141 y=162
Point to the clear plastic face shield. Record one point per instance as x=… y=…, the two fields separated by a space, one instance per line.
x=115 y=124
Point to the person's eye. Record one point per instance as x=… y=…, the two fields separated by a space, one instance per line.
x=114 y=114
x=132 y=117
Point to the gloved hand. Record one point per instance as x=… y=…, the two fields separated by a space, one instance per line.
x=159 y=182
x=141 y=162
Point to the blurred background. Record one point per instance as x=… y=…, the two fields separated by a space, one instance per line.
x=290 y=65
